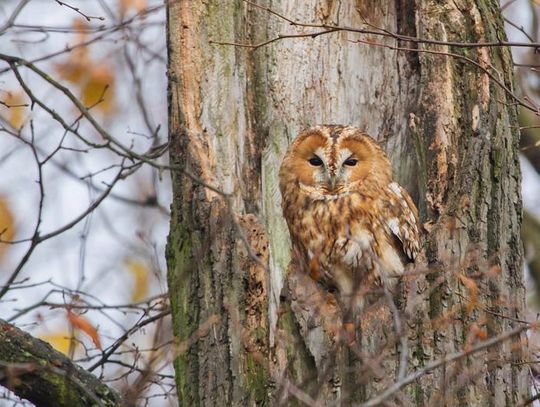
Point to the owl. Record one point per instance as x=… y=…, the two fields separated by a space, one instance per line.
x=353 y=228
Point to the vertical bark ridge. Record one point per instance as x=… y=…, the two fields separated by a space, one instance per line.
x=452 y=143
x=216 y=292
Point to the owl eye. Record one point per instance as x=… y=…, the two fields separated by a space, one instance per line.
x=351 y=162
x=315 y=161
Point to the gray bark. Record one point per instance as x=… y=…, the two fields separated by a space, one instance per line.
x=451 y=135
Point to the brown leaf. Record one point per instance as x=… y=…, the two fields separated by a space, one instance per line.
x=13 y=105
x=125 y=5
x=95 y=79
x=494 y=271
x=472 y=287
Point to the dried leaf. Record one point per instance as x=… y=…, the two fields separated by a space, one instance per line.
x=125 y=5
x=82 y=324
x=7 y=225
x=96 y=87
x=141 y=276
x=482 y=334
x=71 y=70
x=494 y=271
x=81 y=26
x=13 y=108
x=95 y=79
x=58 y=340
x=472 y=287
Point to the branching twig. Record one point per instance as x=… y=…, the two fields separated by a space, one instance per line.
x=124 y=337
x=377 y=32
x=398 y=385
x=78 y=10
x=11 y=20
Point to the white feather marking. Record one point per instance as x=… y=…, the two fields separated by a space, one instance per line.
x=394 y=187
x=393 y=224
x=343 y=155
x=362 y=237
x=355 y=246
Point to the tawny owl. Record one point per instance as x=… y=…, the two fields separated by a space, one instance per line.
x=350 y=223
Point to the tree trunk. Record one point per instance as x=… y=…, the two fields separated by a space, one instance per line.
x=451 y=134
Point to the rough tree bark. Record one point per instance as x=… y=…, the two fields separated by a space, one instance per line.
x=451 y=134
x=530 y=232
x=34 y=371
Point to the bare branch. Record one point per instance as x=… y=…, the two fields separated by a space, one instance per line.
x=11 y=20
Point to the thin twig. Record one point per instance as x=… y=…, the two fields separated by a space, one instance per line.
x=398 y=385
x=78 y=10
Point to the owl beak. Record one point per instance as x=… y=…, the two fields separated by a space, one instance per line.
x=332 y=181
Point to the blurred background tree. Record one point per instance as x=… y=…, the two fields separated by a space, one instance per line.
x=84 y=194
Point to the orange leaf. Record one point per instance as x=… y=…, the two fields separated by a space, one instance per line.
x=494 y=271
x=482 y=334
x=72 y=71
x=82 y=324
x=141 y=277
x=7 y=228
x=473 y=291
x=81 y=26
x=95 y=79
x=14 y=106
x=126 y=5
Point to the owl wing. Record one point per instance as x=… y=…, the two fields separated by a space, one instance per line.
x=402 y=220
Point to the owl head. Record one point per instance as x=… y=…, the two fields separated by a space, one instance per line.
x=328 y=161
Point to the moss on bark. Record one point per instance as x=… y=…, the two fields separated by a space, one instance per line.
x=34 y=371
x=451 y=140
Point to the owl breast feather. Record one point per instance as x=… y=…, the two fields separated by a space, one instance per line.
x=345 y=241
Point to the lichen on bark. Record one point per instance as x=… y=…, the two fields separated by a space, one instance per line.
x=34 y=371
x=450 y=132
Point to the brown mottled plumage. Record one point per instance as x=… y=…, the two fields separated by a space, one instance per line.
x=351 y=225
